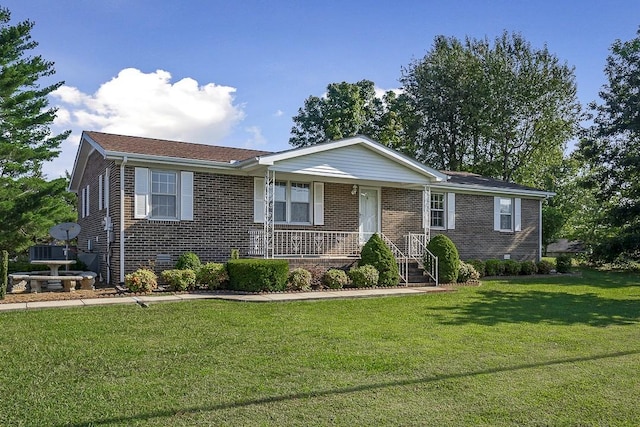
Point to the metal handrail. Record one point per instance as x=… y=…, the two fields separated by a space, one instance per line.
x=401 y=259
x=417 y=250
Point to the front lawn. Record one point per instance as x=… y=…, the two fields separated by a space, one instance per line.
x=534 y=351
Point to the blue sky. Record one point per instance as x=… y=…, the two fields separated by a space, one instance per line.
x=235 y=72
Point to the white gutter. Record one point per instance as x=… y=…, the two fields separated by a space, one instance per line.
x=124 y=162
x=473 y=189
x=540 y=233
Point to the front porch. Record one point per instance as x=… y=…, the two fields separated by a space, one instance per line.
x=316 y=244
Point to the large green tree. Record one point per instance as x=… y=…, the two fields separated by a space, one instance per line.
x=611 y=151
x=349 y=109
x=29 y=204
x=501 y=109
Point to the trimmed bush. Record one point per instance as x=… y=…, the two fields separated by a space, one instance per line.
x=528 y=267
x=299 y=280
x=235 y=253
x=493 y=267
x=188 y=261
x=511 y=267
x=448 y=258
x=316 y=276
x=25 y=265
x=180 y=280
x=212 y=275
x=376 y=253
x=141 y=280
x=563 y=263
x=365 y=276
x=335 y=279
x=544 y=267
x=478 y=265
x=467 y=272
x=4 y=274
x=258 y=275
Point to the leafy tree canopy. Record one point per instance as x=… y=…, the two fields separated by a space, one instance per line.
x=610 y=149
x=29 y=204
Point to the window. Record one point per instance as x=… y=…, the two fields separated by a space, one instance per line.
x=292 y=202
x=163 y=194
x=437 y=210
x=506 y=214
x=280 y=202
x=300 y=202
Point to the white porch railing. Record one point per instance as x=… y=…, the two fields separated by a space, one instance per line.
x=310 y=243
x=416 y=245
x=340 y=244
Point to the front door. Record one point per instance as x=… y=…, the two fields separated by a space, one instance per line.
x=369 y=213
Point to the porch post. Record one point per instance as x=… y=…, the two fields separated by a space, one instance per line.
x=269 y=193
x=426 y=212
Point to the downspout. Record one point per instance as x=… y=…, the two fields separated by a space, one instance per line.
x=124 y=162
x=107 y=186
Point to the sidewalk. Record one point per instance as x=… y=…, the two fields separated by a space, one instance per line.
x=275 y=297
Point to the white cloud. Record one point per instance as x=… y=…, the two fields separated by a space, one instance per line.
x=256 y=140
x=145 y=104
x=278 y=113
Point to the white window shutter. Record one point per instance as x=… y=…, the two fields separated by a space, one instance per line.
x=186 y=196
x=100 y=193
x=106 y=189
x=258 y=199
x=318 y=203
x=517 y=214
x=83 y=199
x=451 y=211
x=87 y=205
x=142 y=190
x=496 y=213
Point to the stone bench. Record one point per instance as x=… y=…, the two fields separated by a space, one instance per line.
x=86 y=279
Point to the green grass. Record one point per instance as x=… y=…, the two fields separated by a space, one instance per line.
x=552 y=351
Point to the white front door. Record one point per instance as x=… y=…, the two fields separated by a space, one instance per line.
x=369 y=212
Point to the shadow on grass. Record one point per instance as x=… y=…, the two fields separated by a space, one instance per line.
x=340 y=391
x=493 y=306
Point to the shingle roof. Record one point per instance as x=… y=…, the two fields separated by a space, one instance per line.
x=161 y=147
x=468 y=178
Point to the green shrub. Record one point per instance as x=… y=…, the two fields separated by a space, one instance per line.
x=335 y=279
x=317 y=272
x=212 y=275
x=448 y=258
x=528 y=267
x=494 y=267
x=511 y=267
x=544 y=267
x=4 y=274
x=258 y=275
x=479 y=266
x=188 y=261
x=376 y=253
x=235 y=254
x=299 y=280
x=141 y=280
x=563 y=263
x=180 y=280
x=467 y=272
x=365 y=276
x=25 y=265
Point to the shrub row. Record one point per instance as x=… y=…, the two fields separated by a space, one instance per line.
x=508 y=267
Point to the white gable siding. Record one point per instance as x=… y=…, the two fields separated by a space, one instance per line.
x=352 y=162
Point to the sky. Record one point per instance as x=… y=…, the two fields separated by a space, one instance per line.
x=234 y=73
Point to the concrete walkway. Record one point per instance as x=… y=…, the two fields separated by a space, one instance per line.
x=275 y=297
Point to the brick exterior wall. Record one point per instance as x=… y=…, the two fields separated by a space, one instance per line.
x=92 y=228
x=223 y=215
x=475 y=237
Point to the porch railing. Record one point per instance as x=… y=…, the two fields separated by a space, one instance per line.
x=416 y=245
x=301 y=243
x=401 y=259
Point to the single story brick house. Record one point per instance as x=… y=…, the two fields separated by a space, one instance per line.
x=144 y=201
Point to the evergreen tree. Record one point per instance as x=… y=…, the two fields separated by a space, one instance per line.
x=29 y=204
x=611 y=151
